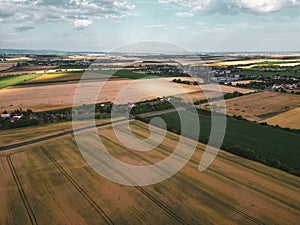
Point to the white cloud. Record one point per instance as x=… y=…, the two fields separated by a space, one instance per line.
x=184 y=14
x=265 y=6
x=82 y=24
x=195 y=5
x=181 y=27
x=72 y=11
x=232 y=6
x=156 y=26
x=124 y=5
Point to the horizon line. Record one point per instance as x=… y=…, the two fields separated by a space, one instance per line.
x=49 y=51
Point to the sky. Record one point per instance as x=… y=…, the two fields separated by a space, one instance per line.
x=196 y=25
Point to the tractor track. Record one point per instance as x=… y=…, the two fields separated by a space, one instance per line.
x=147 y=194
x=143 y=191
x=22 y=194
x=78 y=188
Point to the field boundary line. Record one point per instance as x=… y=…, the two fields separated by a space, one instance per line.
x=22 y=194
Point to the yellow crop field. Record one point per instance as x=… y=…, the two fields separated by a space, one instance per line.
x=289 y=119
x=49 y=78
x=250 y=61
x=50 y=183
x=260 y=106
x=56 y=96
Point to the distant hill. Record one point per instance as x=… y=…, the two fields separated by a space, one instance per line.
x=43 y=51
x=54 y=52
x=29 y=51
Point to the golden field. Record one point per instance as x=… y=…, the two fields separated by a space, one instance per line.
x=251 y=61
x=289 y=119
x=260 y=106
x=55 y=96
x=70 y=76
x=50 y=183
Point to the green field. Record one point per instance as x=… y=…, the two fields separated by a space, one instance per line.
x=271 y=72
x=125 y=74
x=273 y=63
x=14 y=80
x=266 y=144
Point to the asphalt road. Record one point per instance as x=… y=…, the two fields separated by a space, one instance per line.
x=61 y=134
x=50 y=137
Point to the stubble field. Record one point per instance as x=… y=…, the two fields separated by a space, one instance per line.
x=260 y=106
x=289 y=119
x=47 y=97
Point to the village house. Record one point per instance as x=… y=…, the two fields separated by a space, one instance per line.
x=285 y=86
x=5 y=115
x=16 y=118
x=291 y=86
x=277 y=87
